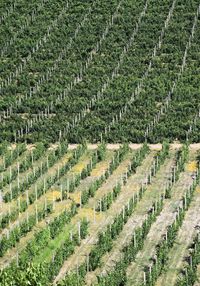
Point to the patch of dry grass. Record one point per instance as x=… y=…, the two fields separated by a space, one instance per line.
x=191 y=166
x=76 y=197
x=90 y=214
x=53 y=195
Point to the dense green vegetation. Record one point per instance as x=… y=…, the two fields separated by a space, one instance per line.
x=118 y=70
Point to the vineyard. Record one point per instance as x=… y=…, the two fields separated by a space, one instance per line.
x=99 y=143
x=100 y=214
x=87 y=70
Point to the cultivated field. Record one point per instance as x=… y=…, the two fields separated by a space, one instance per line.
x=100 y=215
x=100 y=142
x=120 y=70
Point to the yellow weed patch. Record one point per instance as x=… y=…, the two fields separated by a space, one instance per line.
x=65 y=158
x=198 y=189
x=90 y=214
x=78 y=168
x=98 y=171
x=53 y=195
x=191 y=166
x=76 y=197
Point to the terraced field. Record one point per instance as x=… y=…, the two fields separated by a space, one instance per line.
x=99 y=214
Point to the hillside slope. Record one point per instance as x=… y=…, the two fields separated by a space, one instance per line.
x=117 y=70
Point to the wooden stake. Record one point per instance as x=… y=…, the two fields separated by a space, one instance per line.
x=144 y=278
x=36 y=213
x=61 y=192
x=94 y=214
x=79 y=231
x=27 y=197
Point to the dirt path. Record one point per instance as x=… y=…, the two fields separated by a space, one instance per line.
x=134 y=146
